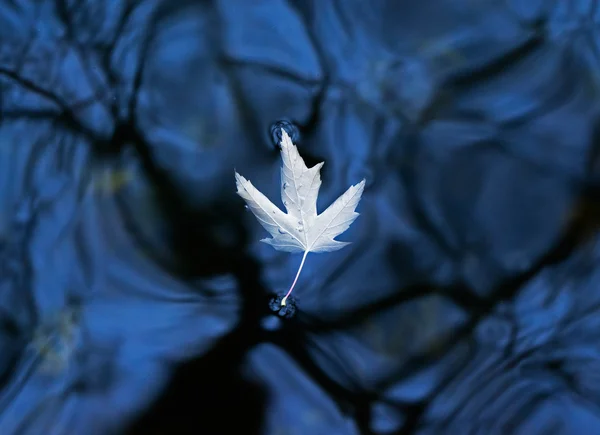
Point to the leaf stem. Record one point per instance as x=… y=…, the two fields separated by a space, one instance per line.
x=296 y=279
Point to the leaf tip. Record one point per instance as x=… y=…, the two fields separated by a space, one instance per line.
x=239 y=182
x=286 y=141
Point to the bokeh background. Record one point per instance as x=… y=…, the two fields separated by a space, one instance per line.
x=135 y=294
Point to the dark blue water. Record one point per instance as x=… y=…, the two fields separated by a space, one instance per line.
x=136 y=297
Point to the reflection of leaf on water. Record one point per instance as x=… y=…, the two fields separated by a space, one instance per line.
x=111 y=181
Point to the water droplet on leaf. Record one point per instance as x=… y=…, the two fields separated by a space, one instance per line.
x=285 y=185
x=281 y=231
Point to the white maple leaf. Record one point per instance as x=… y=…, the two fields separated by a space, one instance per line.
x=301 y=229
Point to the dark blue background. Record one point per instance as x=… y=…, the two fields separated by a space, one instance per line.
x=134 y=292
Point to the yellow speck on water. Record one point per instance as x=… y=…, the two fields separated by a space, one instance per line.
x=442 y=51
x=54 y=341
x=111 y=181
